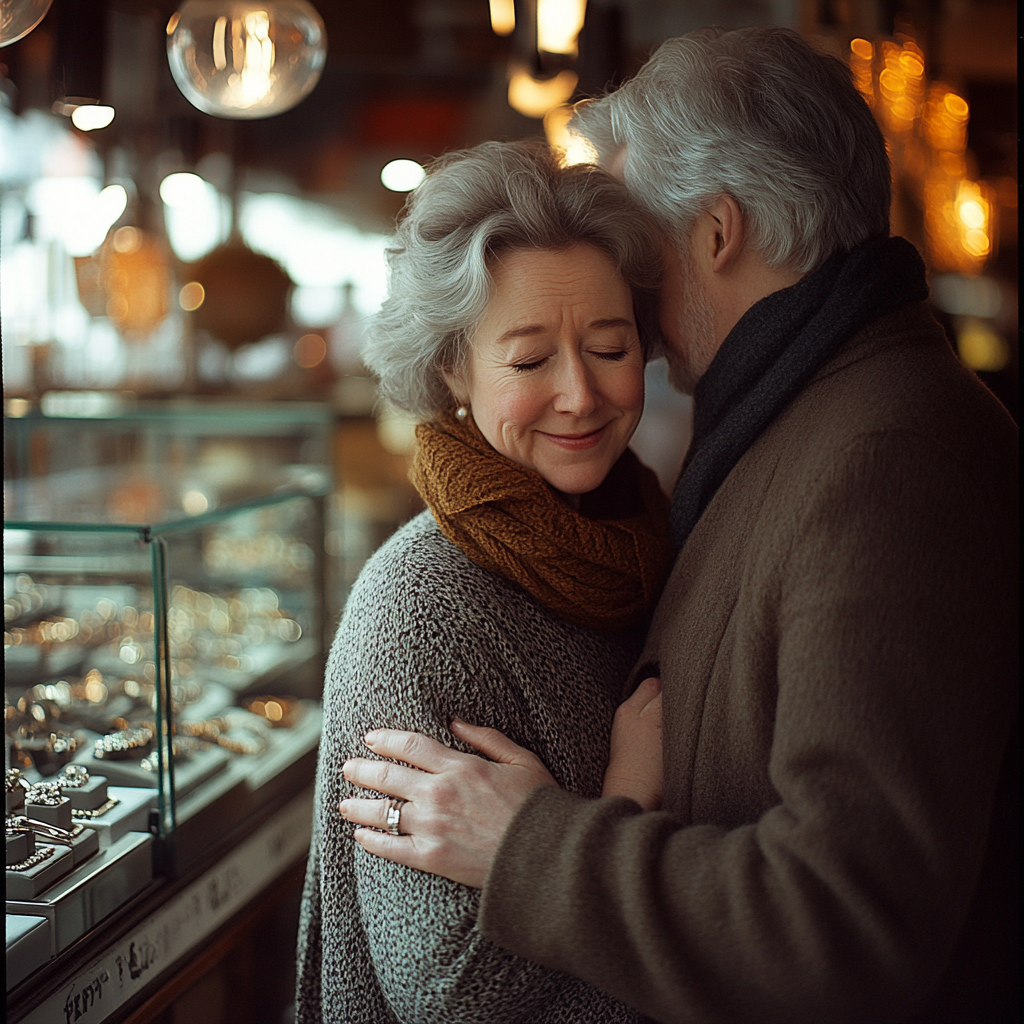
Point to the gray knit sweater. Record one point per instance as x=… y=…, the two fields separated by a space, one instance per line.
x=428 y=635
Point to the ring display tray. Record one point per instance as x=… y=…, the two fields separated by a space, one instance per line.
x=28 y=946
x=78 y=902
x=129 y=814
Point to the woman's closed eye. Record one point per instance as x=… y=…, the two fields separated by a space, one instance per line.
x=535 y=364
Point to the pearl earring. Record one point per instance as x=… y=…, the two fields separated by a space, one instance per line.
x=462 y=413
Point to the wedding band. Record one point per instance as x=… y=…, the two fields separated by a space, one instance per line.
x=394 y=816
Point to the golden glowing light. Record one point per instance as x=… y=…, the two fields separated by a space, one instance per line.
x=310 y=351
x=558 y=25
x=534 y=97
x=980 y=348
x=503 y=17
x=191 y=296
x=862 y=48
x=572 y=147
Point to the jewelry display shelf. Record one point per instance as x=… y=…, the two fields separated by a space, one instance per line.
x=164 y=594
x=79 y=901
x=28 y=946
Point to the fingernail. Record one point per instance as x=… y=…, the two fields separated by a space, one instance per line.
x=343 y=808
x=371 y=737
x=458 y=721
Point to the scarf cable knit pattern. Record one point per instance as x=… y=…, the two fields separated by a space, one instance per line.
x=602 y=567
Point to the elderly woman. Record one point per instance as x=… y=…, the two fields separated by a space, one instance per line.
x=521 y=311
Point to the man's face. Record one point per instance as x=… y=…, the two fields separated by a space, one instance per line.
x=687 y=317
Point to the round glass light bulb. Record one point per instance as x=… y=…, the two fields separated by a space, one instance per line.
x=402 y=175
x=19 y=17
x=245 y=59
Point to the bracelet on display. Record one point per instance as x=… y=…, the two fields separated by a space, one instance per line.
x=33 y=859
x=181 y=747
x=215 y=730
x=95 y=812
x=47 y=833
x=123 y=744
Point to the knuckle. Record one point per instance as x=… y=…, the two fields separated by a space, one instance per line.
x=408 y=746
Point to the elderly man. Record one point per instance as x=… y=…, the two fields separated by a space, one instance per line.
x=837 y=642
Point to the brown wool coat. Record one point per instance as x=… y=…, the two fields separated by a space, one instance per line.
x=838 y=647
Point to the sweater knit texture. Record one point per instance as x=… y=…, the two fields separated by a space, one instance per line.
x=428 y=635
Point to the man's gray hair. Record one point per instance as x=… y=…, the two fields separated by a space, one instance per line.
x=759 y=115
x=473 y=206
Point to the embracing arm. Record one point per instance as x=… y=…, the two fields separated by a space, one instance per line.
x=843 y=901
x=896 y=675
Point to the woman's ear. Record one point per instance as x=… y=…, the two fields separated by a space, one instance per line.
x=456 y=381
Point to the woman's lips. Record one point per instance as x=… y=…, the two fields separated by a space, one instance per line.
x=576 y=442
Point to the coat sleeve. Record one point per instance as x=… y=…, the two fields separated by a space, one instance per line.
x=400 y=660
x=896 y=636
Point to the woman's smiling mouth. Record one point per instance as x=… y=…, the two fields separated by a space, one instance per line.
x=576 y=442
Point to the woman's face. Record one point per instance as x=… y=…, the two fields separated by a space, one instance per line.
x=555 y=373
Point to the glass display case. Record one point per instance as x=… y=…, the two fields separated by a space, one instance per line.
x=164 y=639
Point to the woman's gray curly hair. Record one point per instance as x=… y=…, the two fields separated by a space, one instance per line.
x=473 y=206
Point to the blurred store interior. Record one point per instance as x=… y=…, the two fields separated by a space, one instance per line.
x=187 y=265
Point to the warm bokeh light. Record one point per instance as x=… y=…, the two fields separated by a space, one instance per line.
x=402 y=175
x=310 y=351
x=503 y=17
x=535 y=97
x=558 y=25
x=572 y=147
x=980 y=347
x=191 y=296
x=91 y=116
x=127 y=240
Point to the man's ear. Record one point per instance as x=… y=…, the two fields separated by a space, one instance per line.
x=722 y=233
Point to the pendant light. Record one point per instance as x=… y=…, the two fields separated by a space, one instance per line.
x=246 y=59
x=19 y=17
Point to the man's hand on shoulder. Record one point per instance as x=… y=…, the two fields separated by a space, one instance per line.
x=456 y=807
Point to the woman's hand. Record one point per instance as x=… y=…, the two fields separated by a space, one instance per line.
x=635 y=768
x=457 y=806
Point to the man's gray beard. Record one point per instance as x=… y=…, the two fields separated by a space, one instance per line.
x=697 y=329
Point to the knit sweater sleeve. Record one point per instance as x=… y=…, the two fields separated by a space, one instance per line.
x=399 y=944
x=895 y=627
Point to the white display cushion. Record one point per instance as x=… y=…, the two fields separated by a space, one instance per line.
x=28 y=946
x=90 y=796
x=129 y=814
x=81 y=899
x=27 y=885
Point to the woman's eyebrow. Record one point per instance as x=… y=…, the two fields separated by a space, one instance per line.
x=525 y=331
x=528 y=330
x=612 y=321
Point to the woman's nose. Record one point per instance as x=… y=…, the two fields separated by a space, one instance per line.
x=576 y=391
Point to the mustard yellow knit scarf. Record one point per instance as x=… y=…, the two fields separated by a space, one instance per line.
x=602 y=567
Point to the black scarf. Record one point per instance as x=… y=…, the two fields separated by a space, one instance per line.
x=778 y=344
